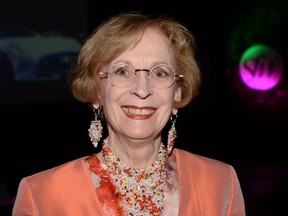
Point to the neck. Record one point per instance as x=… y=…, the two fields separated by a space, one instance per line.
x=139 y=188
x=138 y=154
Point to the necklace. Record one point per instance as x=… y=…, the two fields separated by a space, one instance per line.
x=142 y=190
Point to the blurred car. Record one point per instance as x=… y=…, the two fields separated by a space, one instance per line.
x=26 y=55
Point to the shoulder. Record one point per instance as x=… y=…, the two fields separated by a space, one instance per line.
x=208 y=185
x=186 y=155
x=202 y=170
x=201 y=163
x=62 y=172
x=56 y=189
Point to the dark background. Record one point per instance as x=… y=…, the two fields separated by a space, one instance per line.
x=43 y=126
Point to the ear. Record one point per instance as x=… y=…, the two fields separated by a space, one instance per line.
x=96 y=105
x=174 y=111
x=177 y=98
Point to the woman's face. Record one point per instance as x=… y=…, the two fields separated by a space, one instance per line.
x=140 y=111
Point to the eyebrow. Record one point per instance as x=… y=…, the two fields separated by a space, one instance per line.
x=130 y=64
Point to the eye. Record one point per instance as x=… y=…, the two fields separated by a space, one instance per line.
x=122 y=71
x=160 y=72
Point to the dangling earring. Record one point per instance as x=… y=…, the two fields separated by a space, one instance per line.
x=95 y=131
x=172 y=134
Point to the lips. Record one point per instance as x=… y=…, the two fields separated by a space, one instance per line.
x=131 y=111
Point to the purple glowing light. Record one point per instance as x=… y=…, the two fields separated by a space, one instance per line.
x=261 y=67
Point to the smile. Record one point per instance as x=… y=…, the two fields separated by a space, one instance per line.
x=138 y=112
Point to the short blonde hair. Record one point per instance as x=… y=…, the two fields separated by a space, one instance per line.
x=114 y=36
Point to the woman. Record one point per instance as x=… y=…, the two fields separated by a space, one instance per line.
x=135 y=71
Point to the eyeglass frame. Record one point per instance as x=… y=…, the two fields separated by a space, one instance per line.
x=106 y=74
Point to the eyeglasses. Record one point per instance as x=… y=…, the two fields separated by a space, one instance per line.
x=123 y=75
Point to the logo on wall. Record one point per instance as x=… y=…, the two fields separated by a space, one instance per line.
x=261 y=67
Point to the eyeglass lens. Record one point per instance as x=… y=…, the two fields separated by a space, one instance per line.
x=123 y=75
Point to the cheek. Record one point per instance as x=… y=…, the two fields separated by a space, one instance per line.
x=167 y=99
x=104 y=89
x=107 y=100
x=110 y=95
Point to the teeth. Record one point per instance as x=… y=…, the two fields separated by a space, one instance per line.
x=132 y=111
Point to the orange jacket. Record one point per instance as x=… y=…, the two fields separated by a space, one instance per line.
x=207 y=187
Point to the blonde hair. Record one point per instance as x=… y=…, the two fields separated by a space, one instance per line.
x=115 y=35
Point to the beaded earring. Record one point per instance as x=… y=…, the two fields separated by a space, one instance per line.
x=95 y=130
x=172 y=134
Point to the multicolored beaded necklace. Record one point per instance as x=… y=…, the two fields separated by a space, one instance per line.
x=142 y=190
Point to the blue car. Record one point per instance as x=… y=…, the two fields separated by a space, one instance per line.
x=26 y=55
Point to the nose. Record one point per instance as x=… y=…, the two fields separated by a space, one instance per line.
x=142 y=86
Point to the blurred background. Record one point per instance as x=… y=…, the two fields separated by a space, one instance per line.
x=240 y=116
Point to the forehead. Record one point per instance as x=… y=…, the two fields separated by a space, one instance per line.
x=153 y=46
